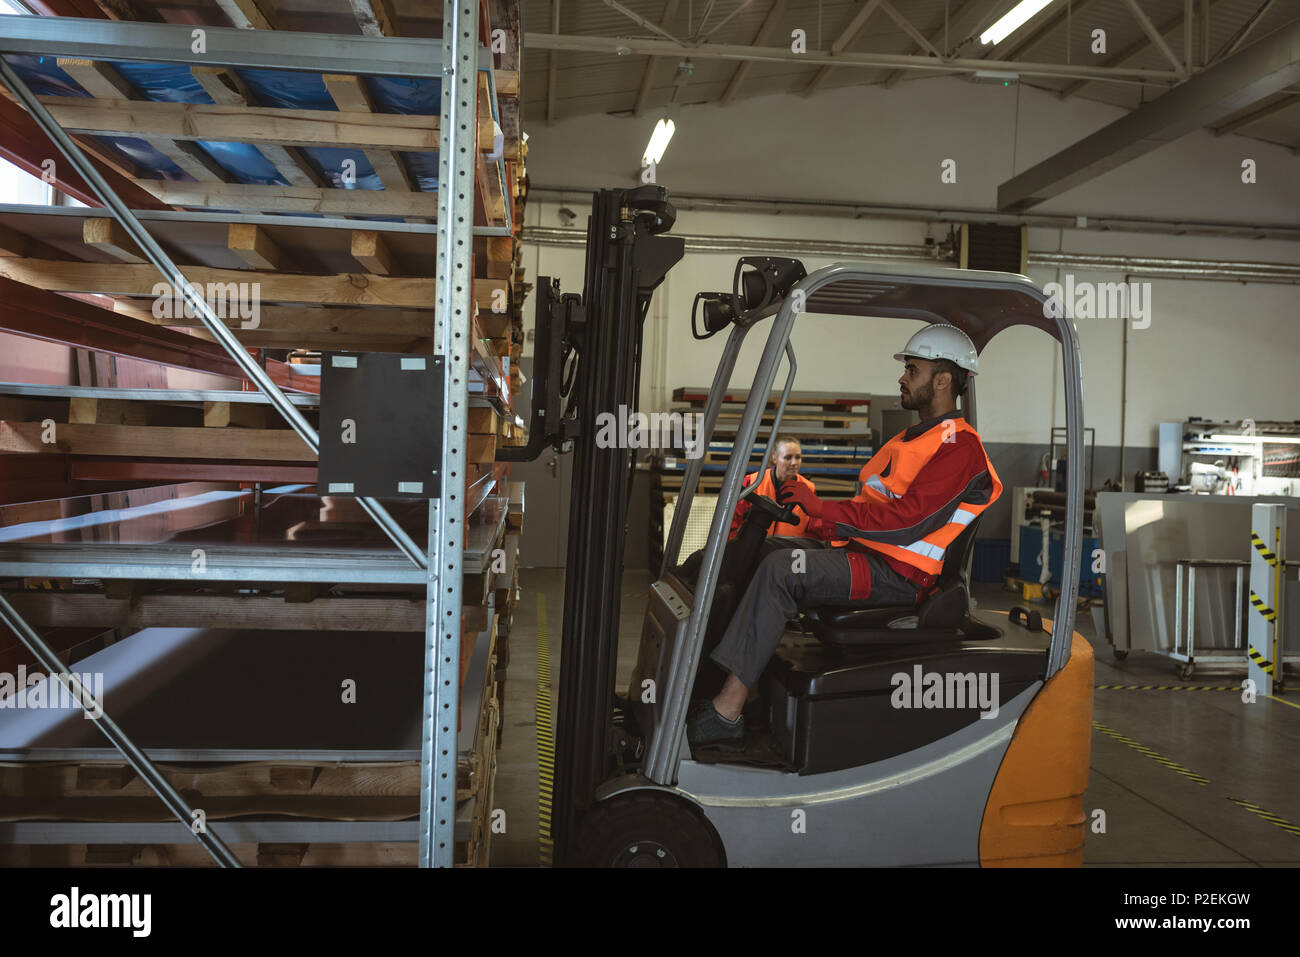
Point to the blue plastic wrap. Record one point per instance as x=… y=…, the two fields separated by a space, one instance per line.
x=282 y=89
x=286 y=90
x=169 y=83
x=412 y=97
x=43 y=75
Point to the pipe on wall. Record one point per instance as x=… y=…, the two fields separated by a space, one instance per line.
x=1072 y=221
x=1148 y=266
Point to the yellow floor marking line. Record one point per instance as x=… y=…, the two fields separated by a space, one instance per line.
x=1153 y=755
x=1166 y=688
x=1255 y=809
x=545 y=738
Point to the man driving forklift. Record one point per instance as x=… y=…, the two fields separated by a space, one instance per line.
x=916 y=495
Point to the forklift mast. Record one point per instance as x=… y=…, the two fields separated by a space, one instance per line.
x=596 y=365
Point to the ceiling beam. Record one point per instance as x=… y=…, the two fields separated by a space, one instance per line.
x=1130 y=52
x=552 y=65
x=725 y=20
x=959 y=24
x=638 y=19
x=647 y=75
x=841 y=43
x=1263 y=113
x=774 y=14
x=1249 y=76
x=906 y=26
x=1240 y=36
x=782 y=54
x=1205 y=32
x=1155 y=36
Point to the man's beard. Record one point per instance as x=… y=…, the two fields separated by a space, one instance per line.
x=918 y=397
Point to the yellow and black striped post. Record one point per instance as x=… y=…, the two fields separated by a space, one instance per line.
x=1267 y=559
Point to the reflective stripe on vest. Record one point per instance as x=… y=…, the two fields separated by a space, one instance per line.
x=877 y=484
x=889 y=474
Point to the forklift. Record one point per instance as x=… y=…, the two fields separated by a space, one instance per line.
x=840 y=775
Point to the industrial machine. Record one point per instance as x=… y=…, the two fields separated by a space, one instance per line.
x=849 y=771
x=1231 y=457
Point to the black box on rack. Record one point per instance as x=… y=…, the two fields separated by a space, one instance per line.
x=381 y=425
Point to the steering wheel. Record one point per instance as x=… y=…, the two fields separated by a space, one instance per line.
x=774 y=511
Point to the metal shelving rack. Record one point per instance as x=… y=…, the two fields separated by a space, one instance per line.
x=455 y=62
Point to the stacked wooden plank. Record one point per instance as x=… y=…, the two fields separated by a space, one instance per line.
x=506 y=584
x=833 y=429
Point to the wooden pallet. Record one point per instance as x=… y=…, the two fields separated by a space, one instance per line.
x=826 y=487
x=697 y=396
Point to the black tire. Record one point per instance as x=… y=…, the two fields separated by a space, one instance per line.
x=646 y=829
x=1121 y=654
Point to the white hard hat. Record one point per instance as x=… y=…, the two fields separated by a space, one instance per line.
x=942 y=341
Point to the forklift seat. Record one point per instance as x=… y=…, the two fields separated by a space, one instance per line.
x=938 y=619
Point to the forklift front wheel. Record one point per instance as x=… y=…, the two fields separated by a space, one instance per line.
x=645 y=829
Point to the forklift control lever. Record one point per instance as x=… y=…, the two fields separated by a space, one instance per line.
x=1026 y=618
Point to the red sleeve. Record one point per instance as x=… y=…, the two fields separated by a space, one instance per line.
x=931 y=497
x=817 y=528
x=742 y=507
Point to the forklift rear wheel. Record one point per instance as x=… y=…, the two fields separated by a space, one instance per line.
x=645 y=829
x=1121 y=654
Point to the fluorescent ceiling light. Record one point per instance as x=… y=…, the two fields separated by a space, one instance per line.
x=1017 y=17
x=654 y=152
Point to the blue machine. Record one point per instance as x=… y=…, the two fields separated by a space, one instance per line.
x=1031 y=543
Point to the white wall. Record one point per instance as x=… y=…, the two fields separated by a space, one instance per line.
x=1212 y=348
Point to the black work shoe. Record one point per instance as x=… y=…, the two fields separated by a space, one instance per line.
x=705 y=728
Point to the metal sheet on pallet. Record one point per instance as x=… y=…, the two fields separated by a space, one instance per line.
x=177 y=561
x=303 y=400
x=192 y=694
x=232 y=832
x=471 y=699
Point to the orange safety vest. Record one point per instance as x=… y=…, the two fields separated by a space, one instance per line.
x=889 y=474
x=768 y=490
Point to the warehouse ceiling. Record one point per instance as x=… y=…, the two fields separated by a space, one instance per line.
x=631 y=57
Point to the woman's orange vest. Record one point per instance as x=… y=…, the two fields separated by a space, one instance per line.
x=768 y=490
x=889 y=474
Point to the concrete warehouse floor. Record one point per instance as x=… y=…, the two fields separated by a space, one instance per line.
x=1147 y=765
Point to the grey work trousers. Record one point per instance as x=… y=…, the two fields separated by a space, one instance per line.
x=786 y=582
